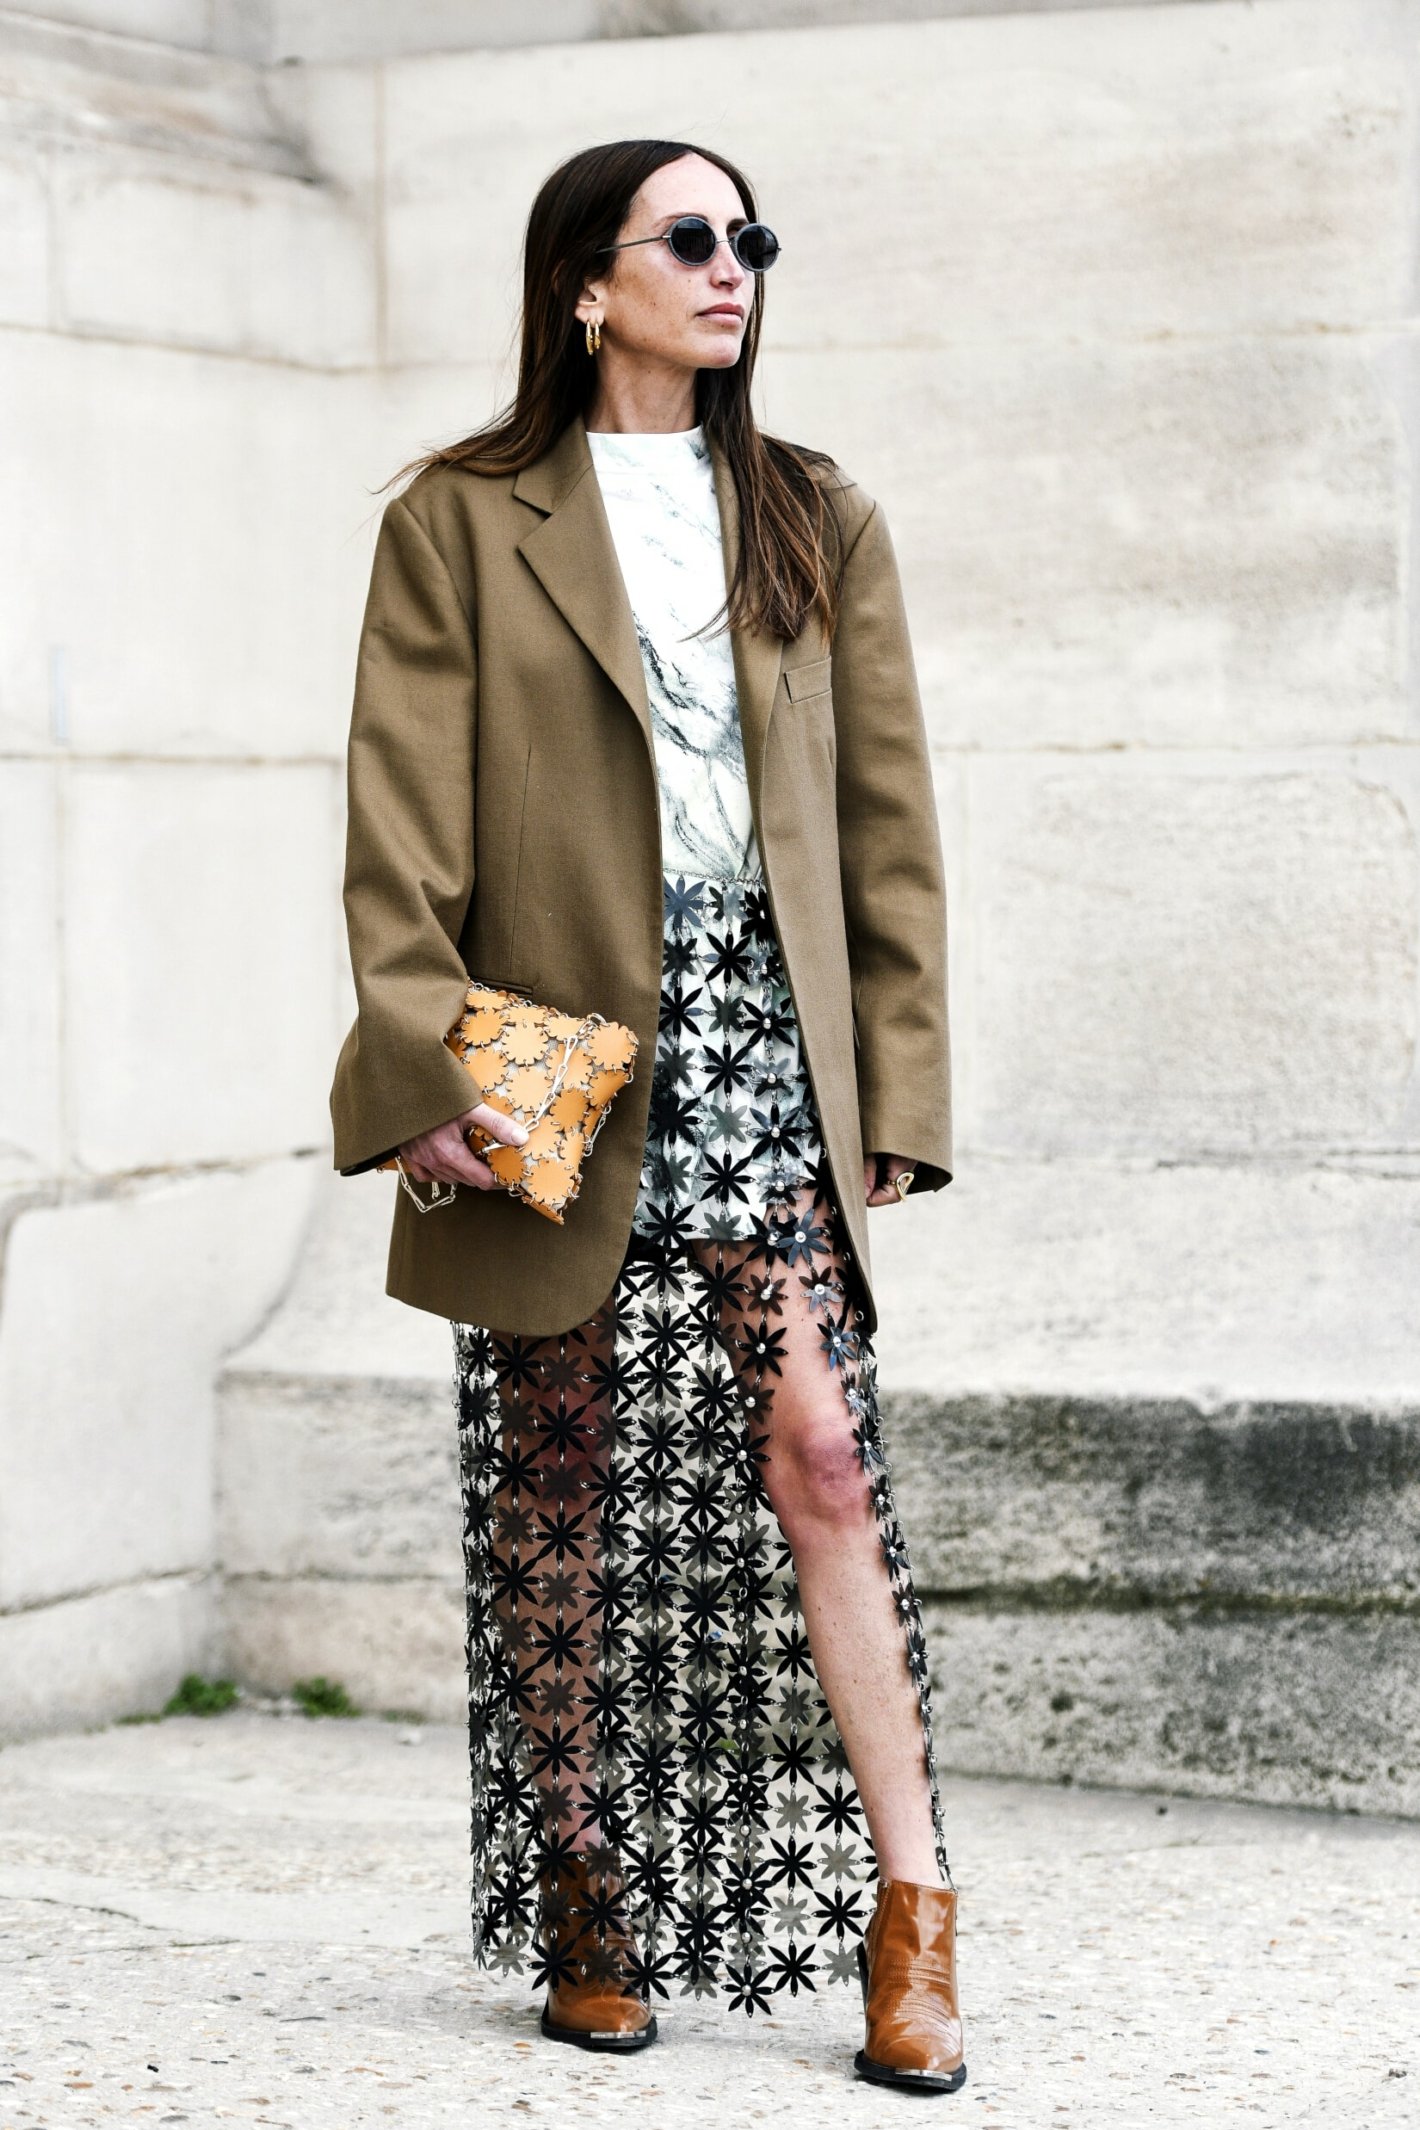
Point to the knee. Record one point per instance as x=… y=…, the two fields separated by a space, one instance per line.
x=816 y=1483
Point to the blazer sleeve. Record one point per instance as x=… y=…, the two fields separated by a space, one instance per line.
x=409 y=857
x=893 y=874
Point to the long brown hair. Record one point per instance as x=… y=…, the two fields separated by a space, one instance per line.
x=790 y=559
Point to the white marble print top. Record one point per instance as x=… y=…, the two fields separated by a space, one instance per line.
x=659 y=491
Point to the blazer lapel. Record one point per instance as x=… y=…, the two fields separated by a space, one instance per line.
x=573 y=555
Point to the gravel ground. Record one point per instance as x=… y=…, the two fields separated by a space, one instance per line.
x=181 y=1897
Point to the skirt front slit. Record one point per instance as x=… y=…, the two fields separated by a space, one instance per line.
x=640 y=1678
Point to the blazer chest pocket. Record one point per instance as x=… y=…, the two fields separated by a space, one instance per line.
x=811 y=682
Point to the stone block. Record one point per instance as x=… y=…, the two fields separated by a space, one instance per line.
x=1218 y=1282
x=333 y=114
x=244 y=262
x=24 y=241
x=1199 y=961
x=105 y=1654
x=397 y=1644
x=1294 y=1709
x=312 y=30
x=335 y=1320
x=354 y=1478
x=411 y=408
x=183 y=22
x=457 y=193
x=1069 y=176
x=118 y=1310
x=71 y=83
x=1178 y=543
x=1051 y=1501
x=1048 y=178
x=31 y=1127
x=199 y=920
x=201 y=558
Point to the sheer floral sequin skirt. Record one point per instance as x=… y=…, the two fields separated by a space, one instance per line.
x=640 y=1678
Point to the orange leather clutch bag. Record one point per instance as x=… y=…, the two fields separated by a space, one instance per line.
x=554 y=1073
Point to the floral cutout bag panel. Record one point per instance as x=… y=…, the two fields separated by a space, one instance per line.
x=555 y=1073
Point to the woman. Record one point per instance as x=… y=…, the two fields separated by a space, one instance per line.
x=698 y=1692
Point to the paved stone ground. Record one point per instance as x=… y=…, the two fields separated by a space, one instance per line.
x=256 y=1919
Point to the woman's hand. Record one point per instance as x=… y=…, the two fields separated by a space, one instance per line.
x=883 y=1194
x=444 y=1156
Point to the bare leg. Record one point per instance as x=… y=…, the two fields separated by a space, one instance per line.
x=555 y=1442
x=788 y=1332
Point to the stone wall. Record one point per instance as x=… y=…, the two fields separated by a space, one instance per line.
x=275 y=32
x=187 y=310
x=1116 y=318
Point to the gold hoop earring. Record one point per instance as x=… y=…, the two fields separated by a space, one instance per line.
x=594 y=335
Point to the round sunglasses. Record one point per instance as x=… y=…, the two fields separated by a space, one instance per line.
x=693 y=241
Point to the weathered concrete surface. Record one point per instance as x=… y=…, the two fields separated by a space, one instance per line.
x=340 y=1515
x=1134 y=376
x=337 y=1484
x=1077 y=181
x=1193 y=962
x=1217 y=1595
x=181 y=1898
x=1286 y=1708
x=120 y=1297
x=1134 y=1503
x=1225 y=1602
x=169 y=819
x=277 y=31
x=1219 y=1281
x=153 y=1280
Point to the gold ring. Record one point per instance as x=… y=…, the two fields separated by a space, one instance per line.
x=902 y=1181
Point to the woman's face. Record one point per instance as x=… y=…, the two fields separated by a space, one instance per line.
x=654 y=308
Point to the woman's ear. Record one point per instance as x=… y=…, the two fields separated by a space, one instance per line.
x=591 y=301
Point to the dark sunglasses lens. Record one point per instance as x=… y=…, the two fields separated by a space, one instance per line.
x=757 y=247
x=692 y=240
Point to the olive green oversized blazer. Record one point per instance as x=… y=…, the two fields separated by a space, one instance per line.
x=504 y=823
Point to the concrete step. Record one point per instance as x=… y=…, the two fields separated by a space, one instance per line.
x=338 y=1483
x=1221 y=1598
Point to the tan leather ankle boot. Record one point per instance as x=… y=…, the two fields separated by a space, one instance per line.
x=592 y=1998
x=907 y=1962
